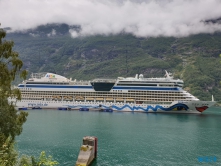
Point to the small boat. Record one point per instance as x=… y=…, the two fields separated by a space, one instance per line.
x=62 y=108
x=106 y=110
x=36 y=108
x=84 y=109
x=88 y=151
x=23 y=108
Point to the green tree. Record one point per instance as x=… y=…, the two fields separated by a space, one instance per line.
x=11 y=120
x=42 y=160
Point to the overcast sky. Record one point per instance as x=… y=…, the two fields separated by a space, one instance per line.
x=142 y=18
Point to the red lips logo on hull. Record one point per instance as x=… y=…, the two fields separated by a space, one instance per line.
x=201 y=109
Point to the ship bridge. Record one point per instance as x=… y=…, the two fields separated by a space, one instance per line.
x=103 y=84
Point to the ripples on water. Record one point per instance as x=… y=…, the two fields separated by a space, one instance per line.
x=124 y=139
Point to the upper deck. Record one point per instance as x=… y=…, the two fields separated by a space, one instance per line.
x=106 y=84
x=139 y=80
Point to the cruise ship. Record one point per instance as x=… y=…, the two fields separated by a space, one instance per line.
x=136 y=94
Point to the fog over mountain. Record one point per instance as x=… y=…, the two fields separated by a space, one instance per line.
x=142 y=18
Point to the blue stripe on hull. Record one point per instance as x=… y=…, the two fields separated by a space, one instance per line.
x=178 y=107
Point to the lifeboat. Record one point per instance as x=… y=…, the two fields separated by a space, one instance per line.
x=54 y=97
x=90 y=99
x=67 y=98
x=119 y=99
x=70 y=98
x=109 y=99
x=59 y=97
x=79 y=98
x=130 y=100
x=100 y=99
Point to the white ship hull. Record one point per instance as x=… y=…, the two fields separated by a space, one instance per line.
x=175 y=107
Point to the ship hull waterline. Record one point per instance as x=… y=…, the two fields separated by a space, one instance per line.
x=175 y=107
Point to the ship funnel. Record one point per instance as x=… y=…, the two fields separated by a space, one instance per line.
x=212 y=98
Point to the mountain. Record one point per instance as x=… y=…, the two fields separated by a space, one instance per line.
x=195 y=59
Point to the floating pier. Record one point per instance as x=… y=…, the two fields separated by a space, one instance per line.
x=88 y=151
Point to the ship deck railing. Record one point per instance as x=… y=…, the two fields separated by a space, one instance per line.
x=38 y=75
x=103 y=80
x=79 y=83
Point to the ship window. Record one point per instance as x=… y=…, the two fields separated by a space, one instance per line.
x=91 y=143
x=85 y=142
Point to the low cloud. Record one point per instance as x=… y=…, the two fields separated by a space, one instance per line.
x=33 y=35
x=52 y=33
x=142 y=18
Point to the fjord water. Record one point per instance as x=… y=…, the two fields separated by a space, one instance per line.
x=125 y=139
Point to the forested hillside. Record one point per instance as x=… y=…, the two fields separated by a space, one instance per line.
x=195 y=59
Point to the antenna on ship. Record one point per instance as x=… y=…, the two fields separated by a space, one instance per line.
x=54 y=71
x=167 y=74
x=126 y=60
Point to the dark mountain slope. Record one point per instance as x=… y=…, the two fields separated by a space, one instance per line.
x=194 y=59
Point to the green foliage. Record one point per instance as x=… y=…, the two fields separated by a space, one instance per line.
x=43 y=160
x=8 y=155
x=158 y=46
x=11 y=120
x=10 y=66
x=47 y=161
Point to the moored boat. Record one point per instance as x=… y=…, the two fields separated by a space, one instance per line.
x=36 y=108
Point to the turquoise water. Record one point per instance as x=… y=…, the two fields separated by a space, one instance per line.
x=125 y=139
